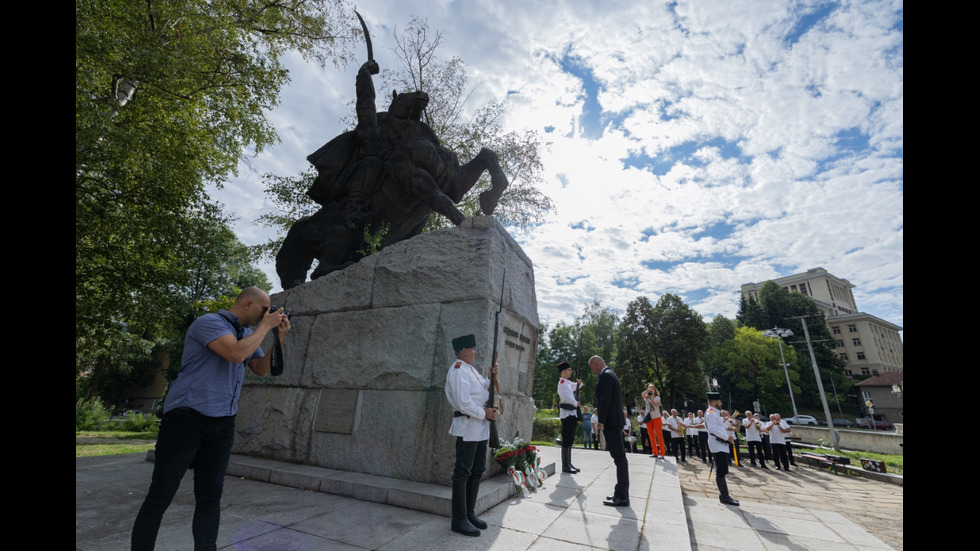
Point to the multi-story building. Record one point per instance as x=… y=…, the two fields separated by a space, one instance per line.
x=868 y=345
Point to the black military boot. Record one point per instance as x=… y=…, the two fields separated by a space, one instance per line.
x=566 y=464
x=723 y=490
x=461 y=524
x=472 y=492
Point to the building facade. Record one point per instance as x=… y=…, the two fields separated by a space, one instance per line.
x=869 y=345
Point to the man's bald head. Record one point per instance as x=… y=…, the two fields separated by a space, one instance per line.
x=596 y=364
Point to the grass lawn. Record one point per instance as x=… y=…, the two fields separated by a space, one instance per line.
x=93 y=443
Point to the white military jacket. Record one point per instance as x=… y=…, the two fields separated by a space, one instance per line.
x=467 y=392
x=715 y=426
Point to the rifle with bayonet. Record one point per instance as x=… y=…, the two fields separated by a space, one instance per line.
x=494 y=442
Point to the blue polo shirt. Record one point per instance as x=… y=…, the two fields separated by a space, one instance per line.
x=208 y=383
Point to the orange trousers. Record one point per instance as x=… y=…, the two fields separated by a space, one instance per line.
x=655 y=428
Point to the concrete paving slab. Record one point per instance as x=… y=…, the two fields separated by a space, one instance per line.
x=283 y=512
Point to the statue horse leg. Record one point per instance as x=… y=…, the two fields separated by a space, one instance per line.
x=469 y=174
x=322 y=236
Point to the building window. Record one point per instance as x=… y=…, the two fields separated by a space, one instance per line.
x=840 y=343
x=865 y=371
x=851 y=328
x=860 y=355
x=836 y=329
x=856 y=342
x=844 y=357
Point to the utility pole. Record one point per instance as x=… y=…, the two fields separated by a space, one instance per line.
x=816 y=374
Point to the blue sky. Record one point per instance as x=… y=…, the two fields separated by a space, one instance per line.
x=693 y=146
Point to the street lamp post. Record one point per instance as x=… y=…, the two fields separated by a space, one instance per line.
x=823 y=395
x=778 y=334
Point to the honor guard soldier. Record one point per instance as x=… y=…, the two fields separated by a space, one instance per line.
x=467 y=392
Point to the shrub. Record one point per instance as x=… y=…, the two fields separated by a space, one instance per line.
x=135 y=421
x=90 y=414
x=546 y=429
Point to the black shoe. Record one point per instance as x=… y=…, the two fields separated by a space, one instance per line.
x=476 y=521
x=728 y=500
x=574 y=468
x=464 y=527
x=617 y=502
x=764 y=467
x=753 y=464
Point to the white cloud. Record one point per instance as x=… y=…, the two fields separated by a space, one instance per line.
x=770 y=156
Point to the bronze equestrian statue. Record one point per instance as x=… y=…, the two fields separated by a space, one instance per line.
x=388 y=175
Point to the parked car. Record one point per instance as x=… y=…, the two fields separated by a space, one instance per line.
x=846 y=423
x=878 y=425
x=801 y=420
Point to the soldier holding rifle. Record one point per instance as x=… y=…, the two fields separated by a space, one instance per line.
x=468 y=392
x=568 y=404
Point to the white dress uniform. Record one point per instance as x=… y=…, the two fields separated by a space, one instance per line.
x=467 y=391
x=716 y=426
x=566 y=395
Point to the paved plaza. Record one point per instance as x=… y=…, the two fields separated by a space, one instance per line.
x=672 y=508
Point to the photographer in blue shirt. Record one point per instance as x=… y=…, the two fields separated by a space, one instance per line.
x=198 y=425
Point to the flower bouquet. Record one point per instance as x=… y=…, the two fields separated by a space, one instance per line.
x=521 y=461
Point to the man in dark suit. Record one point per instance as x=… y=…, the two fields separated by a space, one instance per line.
x=609 y=403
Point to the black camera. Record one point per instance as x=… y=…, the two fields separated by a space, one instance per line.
x=274 y=309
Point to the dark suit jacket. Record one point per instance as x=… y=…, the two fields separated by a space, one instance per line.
x=609 y=400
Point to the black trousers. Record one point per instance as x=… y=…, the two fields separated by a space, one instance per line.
x=756 y=447
x=779 y=455
x=187 y=439
x=767 y=447
x=677 y=444
x=721 y=470
x=471 y=462
x=614 y=445
x=569 y=426
x=703 y=441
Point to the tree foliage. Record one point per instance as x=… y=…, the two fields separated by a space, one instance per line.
x=662 y=344
x=591 y=334
x=169 y=96
x=216 y=267
x=749 y=367
x=464 y=133
x=776 y=307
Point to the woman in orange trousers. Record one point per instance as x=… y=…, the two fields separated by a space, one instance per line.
x=654 y=426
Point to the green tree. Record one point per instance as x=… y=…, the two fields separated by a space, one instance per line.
x=591 y=334
x=749 y=367
x=663 y=344
x=776 y=307
x=169 y=96
x=217 y=266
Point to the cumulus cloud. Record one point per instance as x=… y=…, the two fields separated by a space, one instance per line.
x=695 y=145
